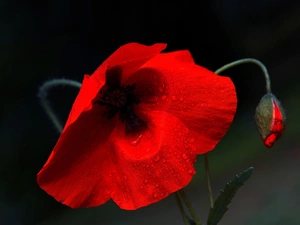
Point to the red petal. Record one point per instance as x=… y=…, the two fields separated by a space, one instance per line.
x=76 y=169
x=83 y=101
x=94 y=160
x=130 y=58
x=151 y=164
x=203 y=101
x=277 y=128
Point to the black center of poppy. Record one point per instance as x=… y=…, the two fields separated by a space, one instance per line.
x=120 y=99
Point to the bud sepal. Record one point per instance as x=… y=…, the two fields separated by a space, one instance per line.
x=270 y=118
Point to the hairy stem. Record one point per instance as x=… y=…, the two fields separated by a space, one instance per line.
x=206 y=163
x=249 y=60
x=189 y=207
x=181 y=209
x=43 y=92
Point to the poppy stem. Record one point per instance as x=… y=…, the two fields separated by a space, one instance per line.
x=189 y=206
x=211 y=197
x=181 y=209
x=249 y=60
x=43 y=92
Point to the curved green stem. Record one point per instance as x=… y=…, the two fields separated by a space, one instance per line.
x=43 y=92
x=206 y=163
x=189 y=207
x=181 y=209
x=249 y=60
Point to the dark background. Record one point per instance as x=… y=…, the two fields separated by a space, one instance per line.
x=41 y=40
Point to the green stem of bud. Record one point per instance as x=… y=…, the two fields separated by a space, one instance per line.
x=43 y=92
x=249 y=60
x=206 y=163
x=189 y=206
x=181 y=209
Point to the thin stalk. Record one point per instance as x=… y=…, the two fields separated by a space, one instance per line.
x=249 y=60
x=206 y=163
x=181 y=209
x=189 y=207
x=43 y=92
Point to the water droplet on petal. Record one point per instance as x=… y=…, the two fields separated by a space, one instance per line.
x=155 y=195
x=192 y=140
x=156 y=185
x=153 y=99
x=184 y=156
x=156 y=158
x=164 y=160
x=181 y=99
x=148 y=135
x=137 y=141
x=173 y=98
x=162 y=87
x=125 y=177
x=145 y=181
x=190 y=171
x=163 y=97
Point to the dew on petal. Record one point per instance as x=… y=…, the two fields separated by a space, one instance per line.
x=162 y=87
x=173 y=97
x=145 y=181
x=156 y=158
x=153 y=99
x=184 y=156
x=164 y=160
x=163 y=97
x=192 y=140
x=190 y=171
x=148 y=135
x=155 y=195
x=181 y=99
x=137 y=141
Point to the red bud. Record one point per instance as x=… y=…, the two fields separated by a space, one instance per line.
x=270 y=117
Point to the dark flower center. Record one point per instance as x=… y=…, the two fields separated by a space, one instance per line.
x=120 y=99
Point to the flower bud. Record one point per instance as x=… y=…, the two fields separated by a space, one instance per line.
x=269 y=117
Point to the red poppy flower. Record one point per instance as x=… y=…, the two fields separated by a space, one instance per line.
x=136 y=127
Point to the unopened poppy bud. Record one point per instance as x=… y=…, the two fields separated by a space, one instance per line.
x=270 y=117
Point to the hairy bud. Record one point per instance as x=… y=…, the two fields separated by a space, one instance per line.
x=270 y=118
